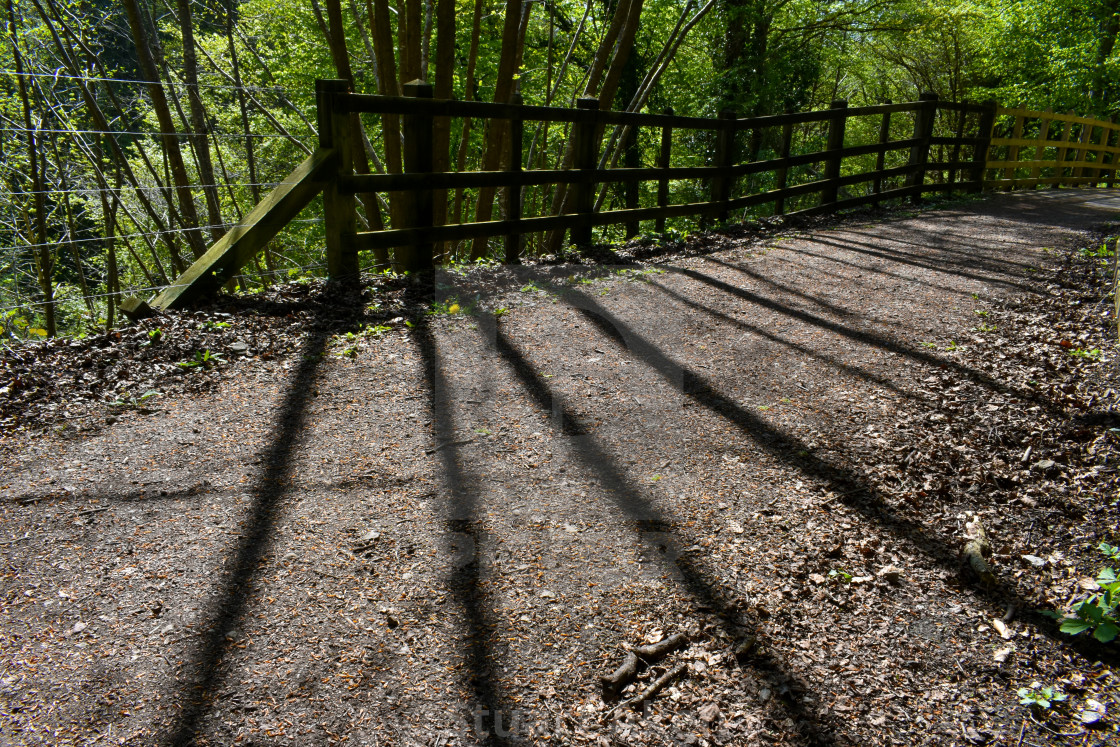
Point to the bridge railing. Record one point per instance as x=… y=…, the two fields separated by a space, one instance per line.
x=845 y=157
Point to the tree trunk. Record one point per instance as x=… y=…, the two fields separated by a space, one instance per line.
x=44 y=263
x=199 y=125
x=492 y=154
x=168 y=135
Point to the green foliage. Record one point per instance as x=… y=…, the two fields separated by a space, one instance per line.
x=1041 y=697
x=1098 y=612
x=201 y=359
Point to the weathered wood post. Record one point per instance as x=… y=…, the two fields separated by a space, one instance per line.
x=340 y=212
x=980 y=153
x=836 y=125
x=919 y=153
x=881 y=155
x=782 y=175
x=724 y=158
x=663 y=163
x=418 y=149
x=586 y=163
x=513 y=191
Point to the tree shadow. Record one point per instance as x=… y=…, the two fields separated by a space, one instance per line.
x=853 y=488
x=461 y=517
x=854 y=371
x=661 y=536
x=872 y=339
x=202 y=676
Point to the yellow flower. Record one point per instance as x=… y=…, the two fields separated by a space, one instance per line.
x=453 y=308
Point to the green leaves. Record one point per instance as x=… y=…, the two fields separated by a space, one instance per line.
x=1098 y=612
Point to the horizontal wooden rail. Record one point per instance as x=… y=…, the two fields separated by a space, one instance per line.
x=831 y=171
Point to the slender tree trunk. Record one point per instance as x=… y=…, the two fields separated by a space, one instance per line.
x=44 y=263
x=493 y=154
x=199 y=125
x=169 y=136
x=468 y=94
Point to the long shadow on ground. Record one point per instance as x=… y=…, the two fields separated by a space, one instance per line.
x=854 y=489
x=461 y=517
x=647 y=518
x=202 y=678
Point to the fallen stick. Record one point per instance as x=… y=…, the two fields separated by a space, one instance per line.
x=628 y=670
x=654 y=688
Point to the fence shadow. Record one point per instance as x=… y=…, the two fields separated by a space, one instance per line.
x=853 y=488
x=644 y=516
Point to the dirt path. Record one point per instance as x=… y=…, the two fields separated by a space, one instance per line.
x=453 y=529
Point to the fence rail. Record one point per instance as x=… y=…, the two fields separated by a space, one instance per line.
x=944 y=147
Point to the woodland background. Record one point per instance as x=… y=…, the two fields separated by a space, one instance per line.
x=134 y=133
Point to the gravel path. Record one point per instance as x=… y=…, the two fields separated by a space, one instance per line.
x=445 y=532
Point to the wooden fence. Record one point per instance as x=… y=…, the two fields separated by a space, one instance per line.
x=943 y=147
x=1031 y=149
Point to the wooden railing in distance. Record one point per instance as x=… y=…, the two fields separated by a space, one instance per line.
x=415 y=236
x=1044 y=148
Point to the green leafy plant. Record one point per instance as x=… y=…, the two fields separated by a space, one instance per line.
x=501 y=311
x=211 y=325
x=124 y=399
x=1094 y=354
x=987 y=328
x=929 y=344
x=1110 y=551
x=1097 y=613
x=840 y=575
x=1039 y=697
x=202 y=359
x=952 y=346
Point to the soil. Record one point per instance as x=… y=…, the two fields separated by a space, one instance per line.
x=437 y=514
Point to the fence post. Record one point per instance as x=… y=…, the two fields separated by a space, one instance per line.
x=513 y=191
x=339 y=207
x=782 y=176
x=980 y=153
x=836 y=125
x=881 y=155
x=586 y=163
x=631 y=159
x=724 y=156
x=417 y=154
x=919 y=153
x=663 y=163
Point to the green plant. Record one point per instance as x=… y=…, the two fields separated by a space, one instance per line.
x=987 y=328
x=124 y=399
x=952 y=346
x=1094 y=354
x=501 y=311
x=1097 y=613
x=929 y=344
x=980 y=312
x=1039 y=697
x=202 y=359
x=1103 y=253
x=155 y=335
x=1111 y=552
x=840 y=575
x=211 y=325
